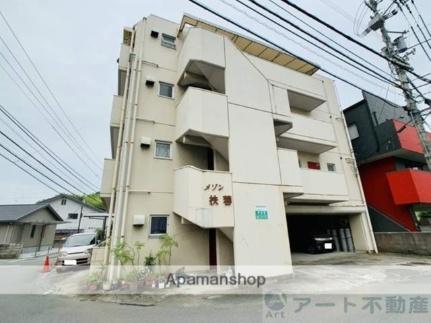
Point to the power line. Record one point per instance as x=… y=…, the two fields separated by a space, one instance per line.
x=393 y=61
x=420 y=42
x=35 y=169
x=44 y=81
x=38 y=161
x=54 y=128
x=368 y=71
x=329 y=38
x=46 y=149
x=272 y=43
x=302 y=45
x=45 y=105
x=28 y=173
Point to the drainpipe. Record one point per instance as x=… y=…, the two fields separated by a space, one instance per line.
x=123 y=165
x=119 y=166
x=115 y=171
x=131 y=143
x=358 y=179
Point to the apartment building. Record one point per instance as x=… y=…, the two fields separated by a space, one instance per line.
x=224 y=143
x=391 y=164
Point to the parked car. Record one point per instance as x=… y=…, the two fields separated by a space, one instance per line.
x=76 y=251
x=320 y=243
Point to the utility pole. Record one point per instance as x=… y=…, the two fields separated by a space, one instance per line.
x=392 y=51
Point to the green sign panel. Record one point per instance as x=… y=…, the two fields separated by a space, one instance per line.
x=261 y=213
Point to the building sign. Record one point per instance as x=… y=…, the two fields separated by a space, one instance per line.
x=261 y=213
x=216 y=196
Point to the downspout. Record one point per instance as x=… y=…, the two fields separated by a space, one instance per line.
x=116 y=162
x=358 y=179
x=130 y=143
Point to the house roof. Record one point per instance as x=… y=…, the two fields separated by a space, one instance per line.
x=254 y=47
x=18 y=212
x=61 y=196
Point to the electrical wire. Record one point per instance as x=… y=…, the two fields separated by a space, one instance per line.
x=46 y=149
x=39 y=162
x=35 y=169
x=329 y=38
x=41 y=105
x=393 y=61
x=197 y=3
x=301 y=44
x=28 y=173
x=43 y=80
x=46 y=105
x=368 y=71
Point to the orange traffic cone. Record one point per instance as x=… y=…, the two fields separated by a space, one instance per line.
x=46 y=266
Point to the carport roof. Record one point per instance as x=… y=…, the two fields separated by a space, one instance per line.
x=17 y=212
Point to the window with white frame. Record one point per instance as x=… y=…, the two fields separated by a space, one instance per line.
x=168 y=41
x=158 y=224
x=353 y=131
x=166 y=89
x=331 y=167
x=63 y=201
x=163 y=149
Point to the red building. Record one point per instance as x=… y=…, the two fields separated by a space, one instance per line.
x=396 y=181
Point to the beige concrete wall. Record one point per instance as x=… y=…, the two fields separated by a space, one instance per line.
x=225 y=256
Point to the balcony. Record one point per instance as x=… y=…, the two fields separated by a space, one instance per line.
x=410 y=186
x=305 y=102
x=290 y=172
x=123 y=61
x=201 y=61
x=322 y=187
x=108 y=173
x=202 y=119
x=115 y=122
x=308 y=135
x=204 y=197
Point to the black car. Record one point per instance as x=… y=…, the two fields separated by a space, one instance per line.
x=320 y=243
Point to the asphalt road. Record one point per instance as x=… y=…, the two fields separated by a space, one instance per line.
x=44 y=309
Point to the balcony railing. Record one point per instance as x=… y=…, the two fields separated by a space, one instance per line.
x=410 y=186
x=202 y=112
x=323 y=187
x=204 y=197
x=115 y=122
x=309 y=135
x=108 y=172
x=290 y=172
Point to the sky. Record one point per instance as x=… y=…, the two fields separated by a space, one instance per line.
x=75 y=45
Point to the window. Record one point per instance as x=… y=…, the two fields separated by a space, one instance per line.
x=159 y=224
x=166 y=89
x=353 y=131
x=33 y=230
x=63 y=201
x=163 y=149
x=168 y=41
x=72 y=216
x=331 y=167
x=313 y=165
